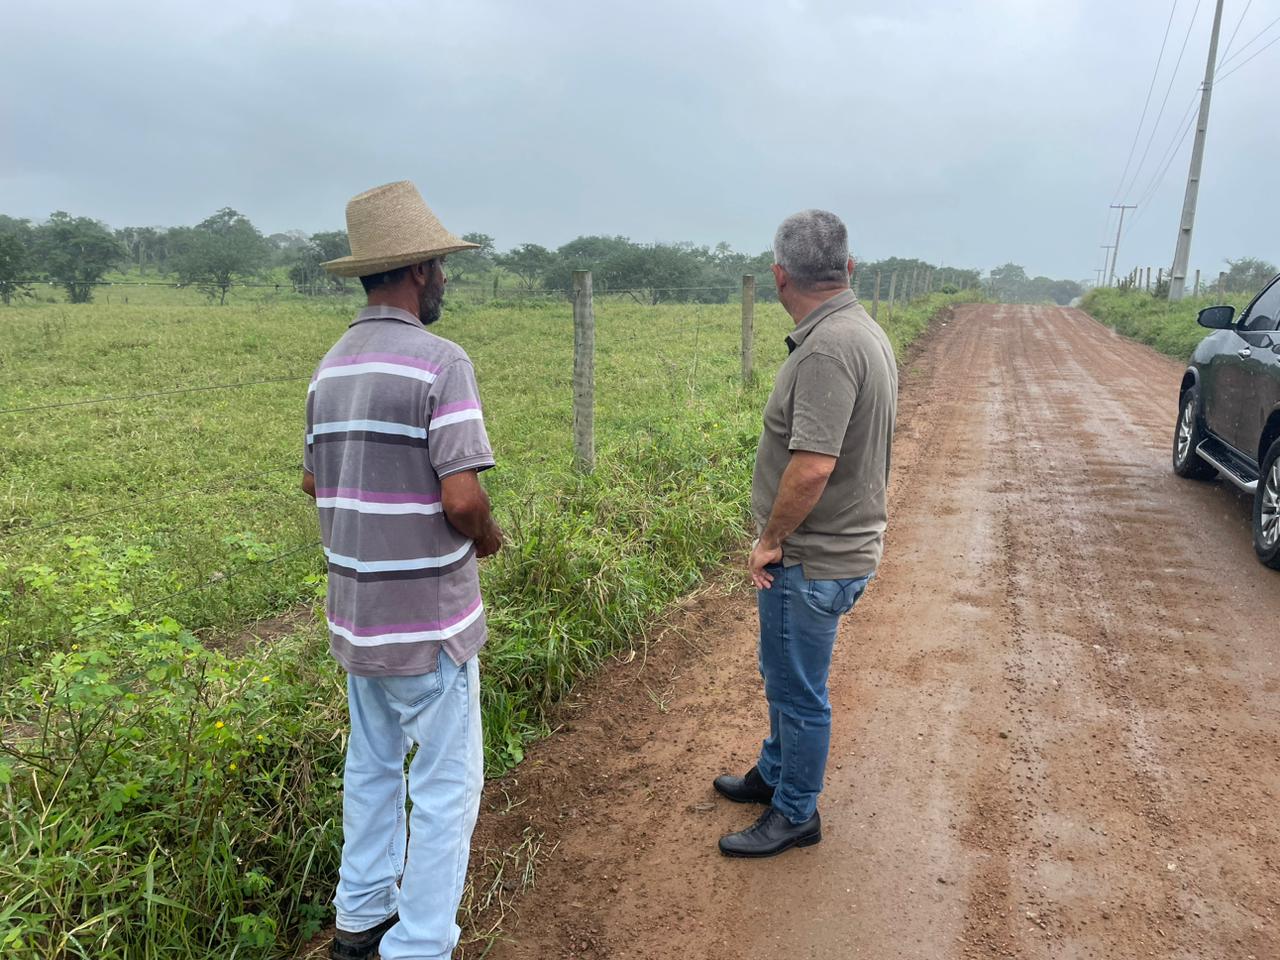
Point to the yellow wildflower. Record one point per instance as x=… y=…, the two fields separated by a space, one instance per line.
x=231 y=767
x=219 y=724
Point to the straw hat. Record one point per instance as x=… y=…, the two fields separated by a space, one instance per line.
x=389 y=227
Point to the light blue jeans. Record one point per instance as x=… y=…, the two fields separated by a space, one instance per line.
x=440 y=712
x=798 y=620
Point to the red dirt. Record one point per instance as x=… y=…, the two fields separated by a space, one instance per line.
x=1055 y=710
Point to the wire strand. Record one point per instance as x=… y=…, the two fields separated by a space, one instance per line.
x=1165 y=102
x=1155 y=75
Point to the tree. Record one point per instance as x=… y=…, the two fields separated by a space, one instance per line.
x=1008 y=282
x=76 y=252
x=16 y=266
x=139 y=244
x=1248 y=275
x=466 y=263
x=307 y=271
x=529 y=261
x=658 y=272
x=219 y=251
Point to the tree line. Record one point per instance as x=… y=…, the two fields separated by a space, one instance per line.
x=226 y=249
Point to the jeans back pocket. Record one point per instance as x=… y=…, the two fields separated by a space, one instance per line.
x=835 y=597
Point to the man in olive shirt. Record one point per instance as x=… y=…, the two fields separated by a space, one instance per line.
x=818 y=496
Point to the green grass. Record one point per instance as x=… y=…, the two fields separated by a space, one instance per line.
x=1169 y=327
x=171 y=791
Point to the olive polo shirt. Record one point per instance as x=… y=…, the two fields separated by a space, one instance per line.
x=836 y=394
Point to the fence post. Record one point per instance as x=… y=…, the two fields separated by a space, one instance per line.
x=1197 y=293
x=584 y=372
x=875 y=303
x=1146 y=285
x=748 y=325
x=495 y=286
x=893 y=283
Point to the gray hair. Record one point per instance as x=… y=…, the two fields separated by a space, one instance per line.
x=813 y=247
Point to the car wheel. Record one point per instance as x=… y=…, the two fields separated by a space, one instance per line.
x=1186 y=437
x=1266 y=510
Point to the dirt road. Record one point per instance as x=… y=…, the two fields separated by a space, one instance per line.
x=1057 y=711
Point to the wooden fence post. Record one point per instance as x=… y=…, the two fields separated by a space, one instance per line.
x=584 y=372
x=893 y=283
x=1197 y=293
x=748 y=325
x=875 y=302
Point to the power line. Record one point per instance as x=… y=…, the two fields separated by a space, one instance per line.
x=1226 y=61
x=1167 y=156
x=156 y=393
x=1239 y=23
x=1260 y=50
x=1145 y=104
x=1169 y=89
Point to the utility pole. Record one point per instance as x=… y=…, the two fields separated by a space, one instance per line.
x=1122 y=207
x=1182 y=253
x=1107 y=267
x=1098 y=281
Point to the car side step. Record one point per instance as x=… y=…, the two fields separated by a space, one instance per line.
x=1230 y=464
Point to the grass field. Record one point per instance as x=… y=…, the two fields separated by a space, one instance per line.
x=1169 y=327
x=170 y=785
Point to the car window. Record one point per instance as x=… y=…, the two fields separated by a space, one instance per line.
x=1265 y=314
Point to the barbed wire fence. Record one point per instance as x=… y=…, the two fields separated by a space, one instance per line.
x=676 y=360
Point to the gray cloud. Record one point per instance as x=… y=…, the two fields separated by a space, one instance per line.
x=968 y=133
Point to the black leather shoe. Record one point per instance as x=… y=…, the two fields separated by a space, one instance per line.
x=362 y=945
x=747 y=789
x=772 y=834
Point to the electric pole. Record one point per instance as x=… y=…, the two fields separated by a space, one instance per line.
x=1106 y=260
x=1115 y=255
x=1182 y=253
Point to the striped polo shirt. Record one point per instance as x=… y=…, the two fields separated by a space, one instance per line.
x=391 y=410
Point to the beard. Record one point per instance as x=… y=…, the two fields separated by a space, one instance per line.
x=431 y=304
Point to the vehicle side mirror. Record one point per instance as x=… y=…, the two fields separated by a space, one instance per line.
x=1217 y=318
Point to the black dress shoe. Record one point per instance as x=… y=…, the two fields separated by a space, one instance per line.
x=362 y=945
x=772 y=834
x=747 y=789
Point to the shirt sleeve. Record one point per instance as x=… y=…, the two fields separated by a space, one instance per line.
x=456 y=438
x=308 y=447
x=822 y=405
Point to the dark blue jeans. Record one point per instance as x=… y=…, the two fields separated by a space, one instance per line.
x=798 y=620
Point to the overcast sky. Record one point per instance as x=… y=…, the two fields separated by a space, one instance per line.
x=966 y=133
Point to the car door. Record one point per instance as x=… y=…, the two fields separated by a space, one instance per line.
x=1253 y=380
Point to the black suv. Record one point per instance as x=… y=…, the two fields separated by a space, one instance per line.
x=1229 y=411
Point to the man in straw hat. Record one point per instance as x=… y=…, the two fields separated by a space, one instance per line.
x=394 y=443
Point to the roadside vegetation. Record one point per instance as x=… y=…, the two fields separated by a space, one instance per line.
x=1169 y=327
x=1149 y=317
x=170 y=784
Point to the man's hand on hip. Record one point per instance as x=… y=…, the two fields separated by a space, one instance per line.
x=762 y=555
